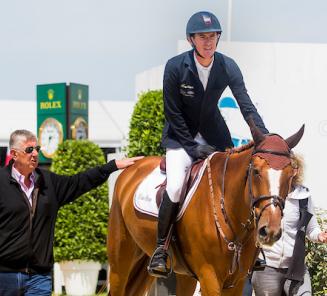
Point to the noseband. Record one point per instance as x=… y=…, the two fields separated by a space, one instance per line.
x=275 y=200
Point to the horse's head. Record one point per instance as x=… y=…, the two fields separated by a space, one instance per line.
x=270 y=174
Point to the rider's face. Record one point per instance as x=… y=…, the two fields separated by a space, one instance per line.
x=206 y=43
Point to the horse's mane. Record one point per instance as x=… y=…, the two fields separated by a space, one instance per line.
x=241 y=148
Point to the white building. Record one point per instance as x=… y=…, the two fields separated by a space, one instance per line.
x=108 y=121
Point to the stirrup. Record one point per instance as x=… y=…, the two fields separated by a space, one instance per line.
x=157 y=273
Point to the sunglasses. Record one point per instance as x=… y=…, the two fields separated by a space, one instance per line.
x=30 y=149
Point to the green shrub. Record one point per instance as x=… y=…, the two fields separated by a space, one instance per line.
x=146 y=125
x=81 y=226
x=316 y=260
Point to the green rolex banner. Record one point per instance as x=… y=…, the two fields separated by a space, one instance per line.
x=62 y=113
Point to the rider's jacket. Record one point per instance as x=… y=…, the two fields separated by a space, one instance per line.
x=189 y=109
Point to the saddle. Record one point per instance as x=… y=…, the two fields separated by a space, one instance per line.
x=190 y=179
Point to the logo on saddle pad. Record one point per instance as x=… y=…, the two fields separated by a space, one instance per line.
x=145 y=195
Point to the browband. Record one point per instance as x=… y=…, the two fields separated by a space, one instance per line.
x=287 y=154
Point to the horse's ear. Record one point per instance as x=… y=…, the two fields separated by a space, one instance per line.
x=257 y=134
x=292 y=141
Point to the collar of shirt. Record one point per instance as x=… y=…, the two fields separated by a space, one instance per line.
x=20 y=179
x=203 y=72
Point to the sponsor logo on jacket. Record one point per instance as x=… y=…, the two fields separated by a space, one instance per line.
x=186 y=90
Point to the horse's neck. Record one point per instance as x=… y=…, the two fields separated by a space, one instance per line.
x=237 y=201
x=238 y=166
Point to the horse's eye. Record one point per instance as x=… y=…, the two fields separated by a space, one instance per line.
x=256 y=172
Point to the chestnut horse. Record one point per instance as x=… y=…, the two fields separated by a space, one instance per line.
x=236 y=206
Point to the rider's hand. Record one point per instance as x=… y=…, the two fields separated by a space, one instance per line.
x=203 y=151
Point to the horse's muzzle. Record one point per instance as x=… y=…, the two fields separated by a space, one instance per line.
x=267 y=236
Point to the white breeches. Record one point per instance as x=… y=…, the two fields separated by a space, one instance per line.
x=178 y=163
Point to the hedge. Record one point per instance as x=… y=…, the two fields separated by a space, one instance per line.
x=146 y=125
x=316 y=259
x=81 y=226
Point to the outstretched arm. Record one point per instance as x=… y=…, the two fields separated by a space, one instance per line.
x=68 y=188
x=314 y=232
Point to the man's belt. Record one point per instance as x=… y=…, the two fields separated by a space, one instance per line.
x=27 y=270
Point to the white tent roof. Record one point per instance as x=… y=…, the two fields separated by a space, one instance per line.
x=108 y=120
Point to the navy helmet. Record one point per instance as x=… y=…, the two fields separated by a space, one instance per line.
x=202 y=22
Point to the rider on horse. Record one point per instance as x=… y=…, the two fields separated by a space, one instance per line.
x=194 y=128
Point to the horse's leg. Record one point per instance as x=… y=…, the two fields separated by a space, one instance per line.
x=185 y=285
x=210 y=284
x=139 y=280
x=237 y=290
x=122 y=251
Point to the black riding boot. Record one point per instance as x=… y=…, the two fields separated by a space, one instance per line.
x=167 y=216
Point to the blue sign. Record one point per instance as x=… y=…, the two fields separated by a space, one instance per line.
x=234 y=119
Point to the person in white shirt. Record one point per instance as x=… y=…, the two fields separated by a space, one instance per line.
x=283 y=275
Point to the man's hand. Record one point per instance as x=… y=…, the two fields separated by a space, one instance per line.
x=203 y=151
x=322 y=237
x=126 y=162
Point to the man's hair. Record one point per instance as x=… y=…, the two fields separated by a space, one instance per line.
x=19 y=136
x=298 y=162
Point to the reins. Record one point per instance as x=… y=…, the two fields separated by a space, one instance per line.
x=237 y=244
x=232 y=245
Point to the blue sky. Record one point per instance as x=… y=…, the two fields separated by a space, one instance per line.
x=106 y=43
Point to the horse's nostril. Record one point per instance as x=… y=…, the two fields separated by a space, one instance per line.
x=263 y=231
x=279 y=235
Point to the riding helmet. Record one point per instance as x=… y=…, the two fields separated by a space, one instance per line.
x=202 y=22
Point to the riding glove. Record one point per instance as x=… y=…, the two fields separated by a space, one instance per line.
x=203 y=151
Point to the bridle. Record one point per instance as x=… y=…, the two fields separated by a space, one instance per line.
x=238 y=242
x=275 y=200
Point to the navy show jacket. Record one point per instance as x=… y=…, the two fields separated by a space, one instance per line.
x=190 y=109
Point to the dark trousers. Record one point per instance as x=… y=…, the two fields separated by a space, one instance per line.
x=18 y=284
x=247 y=289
